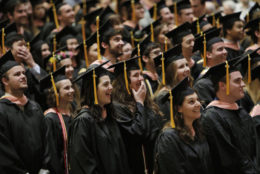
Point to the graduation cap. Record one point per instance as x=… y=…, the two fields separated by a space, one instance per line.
x=166 y=58
x=131 y=3
x=4 y=23
x=86 y=5
x=92 y=72
x=214 y=19
x=216 y=73
x=246 y=61
x=155 y=10
x=183 y=4
x=105 y=14
x=66 y=33
x=174 y=96
x=36 y=2
x=198 y=24
x=50 y=80
x=252 y=26
x=124 y=66
x=139 y=50
x=178 y=33
x=7 y=33
x=150 y=28
x=204 y=42
x=249 y=16
x=52 y=12
x=256 y=72
x=7 y=62
x=229 y=19
x=91 y=17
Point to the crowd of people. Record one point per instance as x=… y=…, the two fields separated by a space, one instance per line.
x=130 y=86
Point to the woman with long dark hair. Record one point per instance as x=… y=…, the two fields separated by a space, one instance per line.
x=181 y=147
x=137 y=115
x=96 y=145
x=58 y=118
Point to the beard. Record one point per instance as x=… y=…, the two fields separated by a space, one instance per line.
x=116 y=52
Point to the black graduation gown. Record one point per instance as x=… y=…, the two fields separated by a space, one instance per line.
x=54 y=140
x=257 y=127
x=196 y=70
x=153 y=83
x=21 y=138
x=231 y=138
x=96 y=147
x=139 y=128
x=173 y=155
x=164 y=107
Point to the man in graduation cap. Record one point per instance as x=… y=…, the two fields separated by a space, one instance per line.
x=233 y=34
x=229 y=129
x=185 y=12
x=21 y=123
x=198 y=7
x=253 y=30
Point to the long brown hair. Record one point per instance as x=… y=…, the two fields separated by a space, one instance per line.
x=119 y=94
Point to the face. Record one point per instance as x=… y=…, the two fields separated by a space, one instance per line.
x=29 y=8
x=104 y=90
x=167 y=15
x=136 y=79
x=20 y=15
x=127 y=51
x=236 y=33
x=154 y=53
x=45 y=50
x=162 y=37
x=116 y=45
x=197 y=7
x=183 y=69
x=68 y=68
x=39 y=11
x=67 y=15
x=218 y=54
x=66 y=91
x=92 y=53
x=186 y=16
x=139 y=11
x=17 y=47
x=16 y=78
x=72 y=44
x=190 y=108
x=236 y=86
x=188 y=43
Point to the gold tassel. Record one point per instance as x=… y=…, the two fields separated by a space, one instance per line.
x=155 y=12
x=171 y=110
x=3 y=40
x=116 y=7
x=132 y=39
x=198 y=26
x=247 y=17
x=54 y=62
x=163 y=69
x=55 y=90
x=217 y=23
x=54 y=44
x=227 y=78
x=176 y=14
x=249 y=68
x=139 y=59
x=126 y=80
x=85 y=53
x=165 y=45
x=95 y=87
x=98 y=42
x=133 y=10
x=152 y=33
x=55 y=15
x=84 y=7
x=213 y=20
x=83 y=29
x=28 y=46
x=204 y=51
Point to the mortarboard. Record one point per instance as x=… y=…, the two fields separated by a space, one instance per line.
x=130 y=3
x=150 y=28
x=198 y=24
x=139 y=50
x=204 y=42
x=214 y=19
x=229 y=19
x=7 y=62
x=174 y=96
x=155 y=10
x=166 y=58
x=252 y=11
x=246 y=61
x=7 y=33
x=104 y=15
x=252 y=26
x=91 y=17
x=66 y=33
x=216 y=73
x=256 y=73
x=86 y=5
x=178 y=33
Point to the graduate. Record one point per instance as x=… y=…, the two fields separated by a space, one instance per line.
x=96 y=144
x=138 y=116
x=229 y=129
x=181 y=146
x=22 y=145
x=58 y=118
